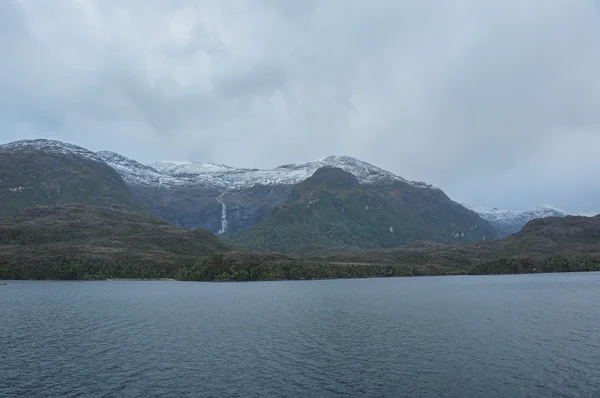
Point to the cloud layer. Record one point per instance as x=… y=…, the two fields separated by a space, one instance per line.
x=496 y=102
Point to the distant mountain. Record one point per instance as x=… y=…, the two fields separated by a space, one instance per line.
x=333 y=209
x=45 y=172
x=509 y=221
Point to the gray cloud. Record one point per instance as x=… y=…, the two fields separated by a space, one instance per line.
x=496 y=102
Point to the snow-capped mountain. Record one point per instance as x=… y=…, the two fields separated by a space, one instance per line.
x=200 y=195
x=50 y=146
x=46 y=172
x=180 y=174
x=512 y=221
x=196 y=194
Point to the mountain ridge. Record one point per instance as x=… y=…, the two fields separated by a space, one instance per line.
x=50 y=146
x=186 y=173
x=511 y=221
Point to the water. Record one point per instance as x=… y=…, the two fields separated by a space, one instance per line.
x=484 y=336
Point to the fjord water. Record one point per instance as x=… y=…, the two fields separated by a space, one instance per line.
x=484 y=336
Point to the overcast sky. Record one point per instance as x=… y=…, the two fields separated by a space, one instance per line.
x=495 y=102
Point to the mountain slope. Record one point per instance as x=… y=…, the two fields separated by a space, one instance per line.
x=81 y=241
x=333 y=209
x=198 y=200
x=510 y=221
x=44 y=172
x=130 y=170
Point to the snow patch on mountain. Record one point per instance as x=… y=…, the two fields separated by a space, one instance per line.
x=365 y=172
x=130 y=170
x=189 y=168
x=178 y=173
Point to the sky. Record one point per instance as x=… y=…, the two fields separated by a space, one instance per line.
x=496 y=102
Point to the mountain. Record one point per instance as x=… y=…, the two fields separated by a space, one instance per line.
x=225 y=199
x=45 y=172
x=76 y=241
x=509 y=221
x=333 y=209
x=196 y=200
x=346 y=217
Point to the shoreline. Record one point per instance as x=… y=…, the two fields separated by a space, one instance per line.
x=134 y=279
x=288 y=280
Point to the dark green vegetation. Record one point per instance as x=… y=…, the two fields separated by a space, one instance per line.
x=544 y=245
x=332 y=209
x=76 y=241
x=86 y=242
x=31 y=176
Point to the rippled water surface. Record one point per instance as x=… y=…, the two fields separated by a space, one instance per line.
x=484 y=336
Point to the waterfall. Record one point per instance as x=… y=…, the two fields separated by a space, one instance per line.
x=223 y=214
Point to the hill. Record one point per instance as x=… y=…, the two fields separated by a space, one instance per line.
x=44 y=172
x=332 y=209
x=553 y=244
x=87 y=242
x=75 y=241
x=549 y=245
